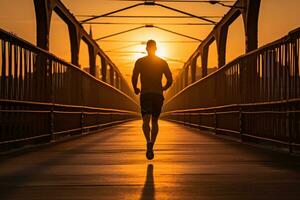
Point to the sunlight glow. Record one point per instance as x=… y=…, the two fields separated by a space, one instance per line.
x=142 y=49
x=161 y=51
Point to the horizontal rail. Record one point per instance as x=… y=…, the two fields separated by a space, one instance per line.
x=31 y=103
x=43 y=98
x=255 y=121
x=24 y=45
x=25 y=139
x=232 y=106
x=257 y=95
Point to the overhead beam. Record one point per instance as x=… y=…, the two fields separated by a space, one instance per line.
x=176 y=33
x=185 y=13
x=113 y=12
x=250 y=14
x=134 y=23
x=119 y=33
x=148 y=16
x=148 y=26
x=161 y=41
x=148 y=3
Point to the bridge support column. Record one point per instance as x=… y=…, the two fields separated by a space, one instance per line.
x=193 y=69
x=186 y=77
x=93 y=53
x=75 y=38
x=221 y=39
x=111 y=75
x=250 y=16
x=204 y=60
x=117 y=81
x=103 y=68
x=248 y=71
x=43 y=12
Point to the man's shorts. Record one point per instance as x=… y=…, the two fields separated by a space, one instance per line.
x=151 y=104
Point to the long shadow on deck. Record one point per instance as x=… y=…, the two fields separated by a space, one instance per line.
x=149 y=187
x=27 y=173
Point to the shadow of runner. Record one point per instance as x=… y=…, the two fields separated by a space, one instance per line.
x=24 y=175
x=149 y=187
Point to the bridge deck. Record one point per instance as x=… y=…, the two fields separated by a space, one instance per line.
x=112 y=165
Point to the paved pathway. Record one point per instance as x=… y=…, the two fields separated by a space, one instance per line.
x=188 y=164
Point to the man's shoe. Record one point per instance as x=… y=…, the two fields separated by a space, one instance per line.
x=149 y=153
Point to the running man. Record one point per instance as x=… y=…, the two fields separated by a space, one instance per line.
x=151 y=69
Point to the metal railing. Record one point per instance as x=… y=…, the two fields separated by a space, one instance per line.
x=256 y=96
x=44 y=98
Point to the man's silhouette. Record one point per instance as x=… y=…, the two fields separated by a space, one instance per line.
x=151 y=69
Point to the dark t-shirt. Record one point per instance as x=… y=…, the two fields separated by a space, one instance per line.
x=151 y=70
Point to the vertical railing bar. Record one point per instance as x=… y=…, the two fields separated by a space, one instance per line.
x=21 y=50
x=3 y=66
x=26 y=63
x=17 y=75
x=10 y=75
x=296 y=67
x=30 y=74
x=52 y=119
x=34 y=76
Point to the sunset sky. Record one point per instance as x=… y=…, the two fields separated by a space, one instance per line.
x=277 y=18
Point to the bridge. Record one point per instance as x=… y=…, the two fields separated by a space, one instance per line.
x=69 y=132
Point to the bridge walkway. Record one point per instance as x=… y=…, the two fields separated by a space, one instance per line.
x=188 y=164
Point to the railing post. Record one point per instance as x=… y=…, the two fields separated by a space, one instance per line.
x=200 y=121
x=82 y=106
x=288 y=129
x=216 y=121
x=52 y=123
x=51 y=101
x=241 y=120
x=82 y=120
x=111 y=118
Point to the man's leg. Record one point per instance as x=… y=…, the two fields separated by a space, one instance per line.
x=154 y=129
x=146 y=130
x=157 y=104
x=146 y=126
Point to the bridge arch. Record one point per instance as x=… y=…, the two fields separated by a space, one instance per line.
x=212 y=56
x=84 y=56
x=235 y=38
x=249 y=10
x=59 y=29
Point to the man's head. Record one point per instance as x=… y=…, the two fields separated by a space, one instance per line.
x=151 y=47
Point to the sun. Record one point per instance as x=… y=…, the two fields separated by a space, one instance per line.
x=161 y=51
x=140 y=51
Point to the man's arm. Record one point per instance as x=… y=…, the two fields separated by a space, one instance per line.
x=134 y=78
x=168 y=75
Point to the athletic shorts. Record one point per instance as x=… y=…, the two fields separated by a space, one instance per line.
x=151 y=104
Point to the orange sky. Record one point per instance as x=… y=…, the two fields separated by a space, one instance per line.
x=277 y=17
